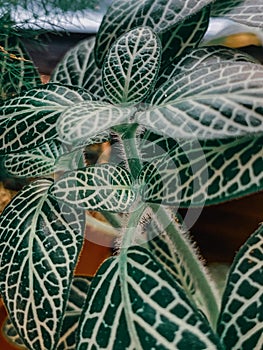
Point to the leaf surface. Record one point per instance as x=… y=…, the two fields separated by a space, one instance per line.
x=29 y=120
x=86 y=120
x=240 y=323
x=206 y=172
x=131 y=66
x=40 y=243
x=249 y=12
x=124 y=15
x=134 y=304
x=39 y=161
x=216 y=101
x=78 y=68
x=100 y=187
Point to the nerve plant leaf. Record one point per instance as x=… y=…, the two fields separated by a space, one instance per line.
x=202 y=57
x=240 y=323
x=214 y=101
x=86 y=120
x=78 y=68
x=206 y=172
x=38 y=255
x=77 y=297
x=134 y=304
x=100 y=187
x=17 y=69
x=124 y=15
x=36 y=162
x=29 y=120
x=249 y=12
x=131 y=66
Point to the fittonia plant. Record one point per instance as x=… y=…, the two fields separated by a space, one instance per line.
x=187 y=123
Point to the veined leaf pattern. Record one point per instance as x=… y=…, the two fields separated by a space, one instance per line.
x=100 y=187
x=215 y=101
x=86 y=120
x=67 y=341
x=141 y=308
x=29 y=120
x=206 y=172
x=38 y=255
x=244 y=11
x=17 y=69
x=78 y=68
x=131 y=66
x=202 y=57
x=36 y=162
x=124 y=15
x=184 y=35
x=240 y=323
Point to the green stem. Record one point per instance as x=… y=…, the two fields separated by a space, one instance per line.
x=183 y=247
x=127 y=241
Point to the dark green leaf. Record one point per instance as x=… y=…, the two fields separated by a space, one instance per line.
x=240 y=324
x=134 y=304
x=29 y=120
x=40 y=241
x=131 y=66
x=124 y=15
x=37 y=162
x=78 y=68
x=100 y=187
x=206 y=172
x=216 y=101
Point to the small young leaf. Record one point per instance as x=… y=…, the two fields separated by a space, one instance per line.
x=131 y=66
x=134 y=304
x=249 y=12
x=82 y=122
x=240 y=323
x=78 y=68
x=124 y=15
x=202 y=57
x=216 y=101
x=29 y=120
x=206 y=172
x=37 y=256
x=99 y=187
x=37 y=162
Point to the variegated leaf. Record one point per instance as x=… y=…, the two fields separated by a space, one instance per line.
x=82 y=122
x=67 y=341
x=216 y=101
x=206 y=172
x=124 y=15
x=37 y=162
x=141 y=308
x=131 y=66
x=39 y=245
x=202 y=57
x=183 y=36
x=78 y=68
x=240 y=323
x=71 y=160
x=29 y=120
x=244 y=11
x=100 y=187
x=77 y=297
x=17 y=69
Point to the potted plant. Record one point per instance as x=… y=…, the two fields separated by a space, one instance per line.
x=184 y=123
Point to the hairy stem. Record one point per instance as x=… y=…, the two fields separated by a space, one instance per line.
x=184 y=248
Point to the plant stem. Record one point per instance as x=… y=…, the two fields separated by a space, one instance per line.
x=183 y=247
